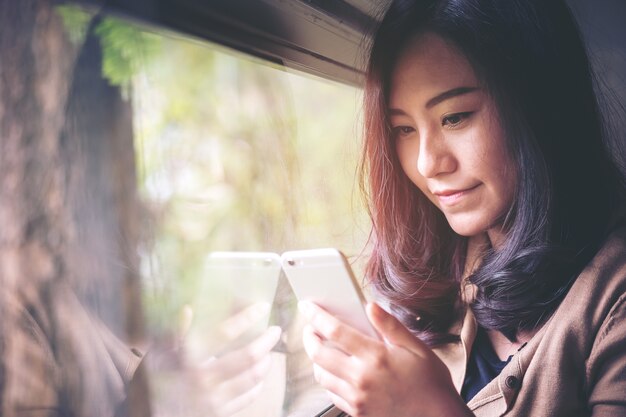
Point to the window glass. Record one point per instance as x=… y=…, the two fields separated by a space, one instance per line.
x=151 y=181
x=235 y=155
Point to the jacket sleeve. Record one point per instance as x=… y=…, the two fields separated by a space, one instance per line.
x=606 y=366
x=59 y=360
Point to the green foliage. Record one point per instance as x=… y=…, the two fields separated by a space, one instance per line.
x=126 y=49
x=75 y=21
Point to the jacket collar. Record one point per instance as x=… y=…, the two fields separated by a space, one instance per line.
x=455 y=355
x=499 y=395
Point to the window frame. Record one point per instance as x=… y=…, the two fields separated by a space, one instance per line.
x=320 y=37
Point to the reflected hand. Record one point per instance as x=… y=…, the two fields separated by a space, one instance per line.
x=366 y=377
x=234 y=380
x=246 y=319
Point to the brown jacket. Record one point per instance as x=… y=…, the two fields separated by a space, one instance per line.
x=576 y=364
x=59 y=360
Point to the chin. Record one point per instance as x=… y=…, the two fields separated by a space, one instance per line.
x=467 y=227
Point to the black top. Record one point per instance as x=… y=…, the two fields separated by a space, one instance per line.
x=483 y=366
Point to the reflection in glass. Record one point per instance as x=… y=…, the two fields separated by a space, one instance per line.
x=236 y=155
x=232 y=304
x=164 y=173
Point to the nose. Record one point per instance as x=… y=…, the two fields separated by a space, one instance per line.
x=435 y=157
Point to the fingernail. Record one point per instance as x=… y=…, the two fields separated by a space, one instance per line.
x=208 y=361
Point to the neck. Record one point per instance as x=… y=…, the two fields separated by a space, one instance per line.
x=476 y=247
x=496 y=236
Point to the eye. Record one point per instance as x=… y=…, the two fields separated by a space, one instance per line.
x=455 y=119
x=402 y=131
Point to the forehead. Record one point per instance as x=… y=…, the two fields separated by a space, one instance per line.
x=428 y=66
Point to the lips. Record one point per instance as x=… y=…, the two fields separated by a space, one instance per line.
x=450 y=197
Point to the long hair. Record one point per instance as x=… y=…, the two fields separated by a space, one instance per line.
x=529 y=56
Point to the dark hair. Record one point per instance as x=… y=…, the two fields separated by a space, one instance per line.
x=530 y=57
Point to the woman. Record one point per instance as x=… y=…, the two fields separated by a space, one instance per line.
x=496 y=216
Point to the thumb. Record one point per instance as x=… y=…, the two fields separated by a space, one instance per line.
x=392 y=331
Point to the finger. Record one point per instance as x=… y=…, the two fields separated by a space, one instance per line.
x=226 y=390
x=342 y=335
x=239 y=323
x=235 y=362
x=266 y=342
x=393 y=331
x=333 y=385
x=333 y=360
x=342 y=404
x=233 y=406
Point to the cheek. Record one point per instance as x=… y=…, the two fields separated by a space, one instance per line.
x=490 y=148
x=407 y=155
x=410 y=171
x=502 y=170
x=509 y=183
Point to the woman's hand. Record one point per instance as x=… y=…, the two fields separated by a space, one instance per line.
x=366 y=377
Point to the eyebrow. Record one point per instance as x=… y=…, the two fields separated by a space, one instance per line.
x=455 y=92
x=446 y=95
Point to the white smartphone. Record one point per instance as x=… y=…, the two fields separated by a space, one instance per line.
x=324 y=277
x=232 y=304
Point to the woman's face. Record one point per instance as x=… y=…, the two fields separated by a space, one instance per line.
x=448 y=137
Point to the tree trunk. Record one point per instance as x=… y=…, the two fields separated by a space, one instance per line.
x=68 y=218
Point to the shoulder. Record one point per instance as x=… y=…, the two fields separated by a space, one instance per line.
x=595 y=309
x=587 y=310
x=606 y=365
x=603 y=281
x=55 y=350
